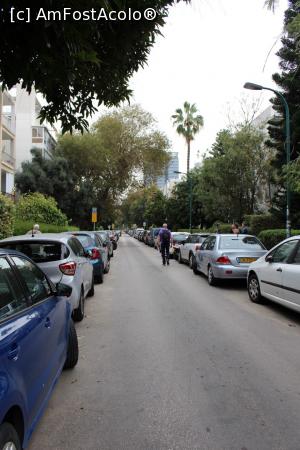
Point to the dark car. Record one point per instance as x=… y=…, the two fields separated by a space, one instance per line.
x=37 y=340
x=153 y=233
x=106 y=241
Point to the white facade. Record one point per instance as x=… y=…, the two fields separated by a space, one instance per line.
x=7 y=143
x=30 y=132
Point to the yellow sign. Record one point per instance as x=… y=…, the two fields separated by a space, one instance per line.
x=94 y=215
x=113 y=226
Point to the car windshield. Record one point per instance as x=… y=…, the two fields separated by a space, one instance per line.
x=179 y=237
x=240 y=243
x=85 y=240
x=40 y=252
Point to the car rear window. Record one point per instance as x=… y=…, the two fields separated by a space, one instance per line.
x=240 y=243
x=40 y=252
x=180 y=237
x=85 y=240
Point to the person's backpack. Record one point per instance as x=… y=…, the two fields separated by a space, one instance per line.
x=165 y=236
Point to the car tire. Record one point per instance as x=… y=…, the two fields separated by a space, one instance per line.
x=179 y=259
x=212 y=280
x=91 y=292
x=99 y=278
x=191 y=261
x=112 y=254
x=9 y=435
x=78 y=313
x=72 y=351
x=106 y=270
x=254 y=289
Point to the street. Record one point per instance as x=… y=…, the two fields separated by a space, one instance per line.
x=167 y=362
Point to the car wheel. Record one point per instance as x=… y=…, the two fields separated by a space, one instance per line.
x=91 y=292
x=192 y=261
x=78 y=313
x=107 y=267
x=254 y=289
x=180 y=260
x=112 y=254
x=99 y=278
x=212 y=280
x=72 y=351
x=9 y=438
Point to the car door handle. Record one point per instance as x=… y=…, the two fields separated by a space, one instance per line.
x=13 y=352
x=48 y=323
x=279 y=269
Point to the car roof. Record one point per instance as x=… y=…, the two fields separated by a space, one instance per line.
x=62 y=237
x=232 y=235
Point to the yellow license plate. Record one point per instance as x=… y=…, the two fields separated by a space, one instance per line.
x=247 y=260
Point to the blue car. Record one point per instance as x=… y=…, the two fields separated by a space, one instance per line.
x=37 y=340
x=99 y=257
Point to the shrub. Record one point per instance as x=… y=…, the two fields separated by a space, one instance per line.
x=21 y=227
x=7 y=215
x=37 y=208
x=260 y=222
x=270 y=238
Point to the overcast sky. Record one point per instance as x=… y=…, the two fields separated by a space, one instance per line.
x=209 y=50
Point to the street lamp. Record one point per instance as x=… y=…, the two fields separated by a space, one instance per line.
x=190 y=196
x=258 y=87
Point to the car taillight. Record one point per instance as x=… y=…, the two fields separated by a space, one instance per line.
x=96 y=253
x=68 y=268
x=223 y=260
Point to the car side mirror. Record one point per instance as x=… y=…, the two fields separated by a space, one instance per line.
x=63 y=290
x=87 y=253
x=269 y=259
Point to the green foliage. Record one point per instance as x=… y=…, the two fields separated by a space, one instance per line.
x=7 y=212
x=222 y=227
x=260 y=222
x=270 y=238
x=188 y=124
x=22 y=227
x=144 y=204
x=38 y=208
x=73 y=63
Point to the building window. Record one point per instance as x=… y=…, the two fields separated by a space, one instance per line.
x=37 y=135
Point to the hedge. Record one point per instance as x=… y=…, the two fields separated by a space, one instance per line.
x=270 y=238
x=21 y=227
x=37 y=208
x=260 y=222
x=7 y=216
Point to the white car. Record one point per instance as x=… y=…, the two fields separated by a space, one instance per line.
x=188 y=248
x=276 y=276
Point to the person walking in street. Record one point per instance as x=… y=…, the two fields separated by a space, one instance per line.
x=235 y=229
x=164 y=237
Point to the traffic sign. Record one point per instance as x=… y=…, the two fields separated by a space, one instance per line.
x=94 y=215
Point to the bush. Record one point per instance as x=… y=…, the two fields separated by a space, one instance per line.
x=270 y=238
x=21 y=227
x=7 y=216
x=37 y=208
x=260 y=222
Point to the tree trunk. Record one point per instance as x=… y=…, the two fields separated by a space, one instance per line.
x=188 y=156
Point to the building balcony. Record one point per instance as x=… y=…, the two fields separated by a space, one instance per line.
x=9 y=122
x=7 y=154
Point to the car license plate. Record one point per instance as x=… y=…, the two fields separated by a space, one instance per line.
x=246 y=260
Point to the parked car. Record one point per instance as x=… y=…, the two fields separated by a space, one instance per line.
x=113 y=239
x=153 y=233
x=227 y=256
x=37 y=340
x=136 y=232
x=188 y=248
x=276 y=276
x=104 y=235
x=62 y=258
x=92 y=244
x=177 y=239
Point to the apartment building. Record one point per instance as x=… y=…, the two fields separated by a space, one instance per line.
x=7 y=143
x=169 y=177
x=30 y=132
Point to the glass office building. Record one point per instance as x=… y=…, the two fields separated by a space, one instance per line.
x=169 y=175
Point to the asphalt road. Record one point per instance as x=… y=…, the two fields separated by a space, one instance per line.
x=167 y=362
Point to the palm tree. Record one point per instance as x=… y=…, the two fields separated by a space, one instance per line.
x=188 y=124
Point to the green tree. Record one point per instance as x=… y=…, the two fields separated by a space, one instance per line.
x=289 y=83
x=188 y=124
x=36 y=207
x=77 y=64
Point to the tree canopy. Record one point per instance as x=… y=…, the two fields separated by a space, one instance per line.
x=77 y=64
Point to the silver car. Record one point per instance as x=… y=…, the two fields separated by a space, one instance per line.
x=63 y=259
x=188 y=249
x=227 y=256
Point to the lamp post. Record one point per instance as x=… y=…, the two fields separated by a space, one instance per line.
x=258 y=87
x=190 y=196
